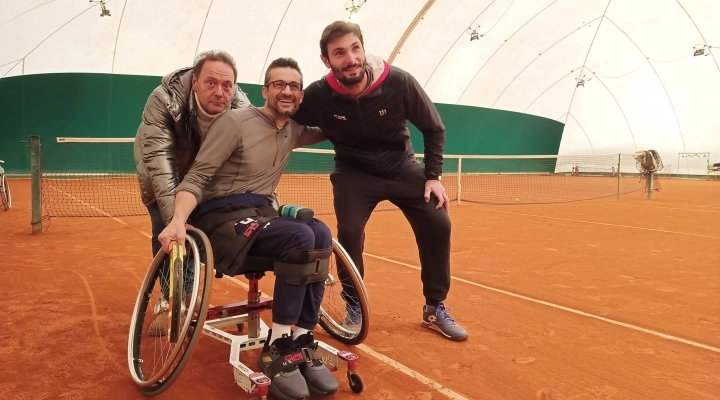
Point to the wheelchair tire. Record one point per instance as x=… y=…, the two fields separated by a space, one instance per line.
x=343 y=273
x=5 y=193
x=153 y=360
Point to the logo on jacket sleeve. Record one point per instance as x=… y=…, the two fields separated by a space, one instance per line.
x=340 y=117
x=382 y=112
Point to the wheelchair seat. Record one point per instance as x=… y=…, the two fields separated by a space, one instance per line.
x=253 y=265
x=155 y=362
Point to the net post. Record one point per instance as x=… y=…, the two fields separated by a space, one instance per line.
x=35 y=174
x=618 y=177
x=650 y=185
x=459 y=185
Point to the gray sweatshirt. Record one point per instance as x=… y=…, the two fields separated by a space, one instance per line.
x=244 y=151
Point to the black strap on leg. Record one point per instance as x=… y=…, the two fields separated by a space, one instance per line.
x=305 y=266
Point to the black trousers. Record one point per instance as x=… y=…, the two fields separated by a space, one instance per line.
x=297 y=305
x=293 y=304
x=357 y=193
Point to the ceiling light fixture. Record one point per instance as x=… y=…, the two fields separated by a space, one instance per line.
x=581 y=81
x=701 y=50
x=103 y=10
x=353 y=6
x=473 y=31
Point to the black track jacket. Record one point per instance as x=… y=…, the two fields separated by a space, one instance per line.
x=370 y=132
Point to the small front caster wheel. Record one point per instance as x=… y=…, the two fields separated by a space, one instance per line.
x=356 y=384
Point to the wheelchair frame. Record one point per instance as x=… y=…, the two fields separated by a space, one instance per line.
x=249 y=312
x=238 y=314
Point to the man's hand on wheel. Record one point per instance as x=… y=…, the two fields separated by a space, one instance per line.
x=173 y=233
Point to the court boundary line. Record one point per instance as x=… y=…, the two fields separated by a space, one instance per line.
x=565 y=308
x=677 y=208
x=412 y=373
x=537 y=301
x=90 y=206
x=603 y=224
x=391 y=362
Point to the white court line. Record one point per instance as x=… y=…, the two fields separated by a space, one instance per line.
x=604 y=224
x=98 y=210
x=683 y=209
x=119 y=190
x=387 y=360
x=411 y=373
x=238 y=282
x=568 y=309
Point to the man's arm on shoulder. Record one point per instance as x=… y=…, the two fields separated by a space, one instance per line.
x=240 y=99
x=422 y=113
x=308 y=113
x=158 y=152
x=309 y=135
x=222 y=139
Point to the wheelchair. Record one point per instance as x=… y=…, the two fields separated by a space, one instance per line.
x=4 y=189
x=156 y=360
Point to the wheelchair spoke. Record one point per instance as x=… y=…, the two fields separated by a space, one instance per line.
x=344 y=312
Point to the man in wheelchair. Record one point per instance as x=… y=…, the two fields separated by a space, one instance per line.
x=229 y=192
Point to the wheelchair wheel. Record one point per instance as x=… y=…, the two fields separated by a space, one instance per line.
x=345 y=310
x=154 y=360
x=5 y=193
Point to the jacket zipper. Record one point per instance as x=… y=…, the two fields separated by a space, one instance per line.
x=364 y=134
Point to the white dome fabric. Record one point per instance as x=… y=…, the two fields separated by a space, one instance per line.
x=621 y=74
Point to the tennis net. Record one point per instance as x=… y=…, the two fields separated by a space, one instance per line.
x=91 y=177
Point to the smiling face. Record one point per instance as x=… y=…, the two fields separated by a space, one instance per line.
x=283 y=93
x=346 y=59
x=214 y=86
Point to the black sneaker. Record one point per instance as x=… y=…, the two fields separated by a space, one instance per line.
x=320 y=380
x=437 y=318
x=280 y=362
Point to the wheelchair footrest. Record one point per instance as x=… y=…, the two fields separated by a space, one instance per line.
x=249 y=380
x=258 y=383
x=332 y=357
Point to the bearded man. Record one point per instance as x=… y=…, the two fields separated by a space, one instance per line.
x=362 y=106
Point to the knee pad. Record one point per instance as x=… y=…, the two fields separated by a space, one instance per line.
x=300 y=267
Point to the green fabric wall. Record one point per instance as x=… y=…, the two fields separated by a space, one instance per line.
x=104 y=105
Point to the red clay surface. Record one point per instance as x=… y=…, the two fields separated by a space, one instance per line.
x=653 y=265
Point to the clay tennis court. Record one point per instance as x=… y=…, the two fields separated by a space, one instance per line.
x=599 y=299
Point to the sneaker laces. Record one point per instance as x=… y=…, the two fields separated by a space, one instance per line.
x=441 y=314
